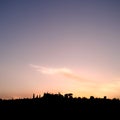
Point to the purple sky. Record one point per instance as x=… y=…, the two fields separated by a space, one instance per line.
x=59 y=46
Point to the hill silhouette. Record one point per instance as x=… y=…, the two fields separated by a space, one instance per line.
x=58 y=106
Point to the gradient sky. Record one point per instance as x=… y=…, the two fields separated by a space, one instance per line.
x=66 y=46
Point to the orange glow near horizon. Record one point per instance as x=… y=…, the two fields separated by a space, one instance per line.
x=64 y=80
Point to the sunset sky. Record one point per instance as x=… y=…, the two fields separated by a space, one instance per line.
x=66 y=46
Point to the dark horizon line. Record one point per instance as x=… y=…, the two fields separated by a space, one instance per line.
x=67 y=95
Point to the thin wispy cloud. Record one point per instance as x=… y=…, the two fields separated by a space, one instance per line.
x=62 y=71
x=34 y=66
x=48 y=70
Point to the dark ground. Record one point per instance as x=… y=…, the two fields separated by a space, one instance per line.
x=57 y=106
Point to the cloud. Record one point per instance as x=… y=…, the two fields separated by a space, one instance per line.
x=34 y=66
x=47 y=70
x=63 y=71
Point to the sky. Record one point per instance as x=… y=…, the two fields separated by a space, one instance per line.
x=66 y=46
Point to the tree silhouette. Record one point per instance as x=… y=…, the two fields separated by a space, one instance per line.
x=54 y=106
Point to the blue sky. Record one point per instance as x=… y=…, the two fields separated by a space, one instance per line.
x=80 y=36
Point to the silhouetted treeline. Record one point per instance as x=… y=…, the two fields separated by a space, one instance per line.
x=58 y=106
